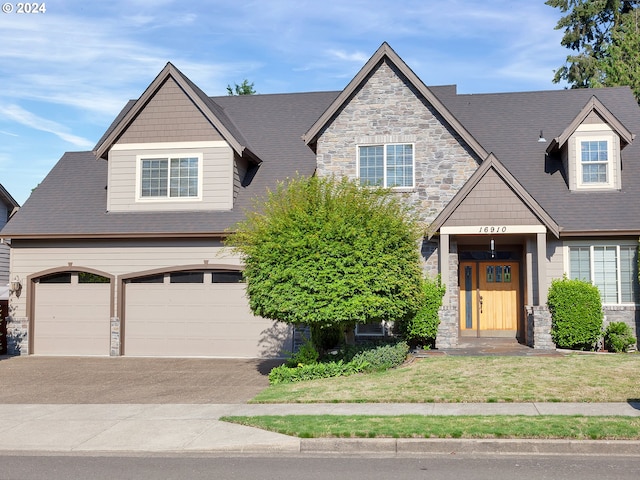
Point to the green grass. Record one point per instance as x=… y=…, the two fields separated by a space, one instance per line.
x=573 y=378
x=419 y=426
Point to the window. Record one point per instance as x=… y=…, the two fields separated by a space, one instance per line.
x=86 y=277
x=388 y=165
x=594 y=158
x=612 y=268
x=170 y=177
x=227 y=277
x=186 y=277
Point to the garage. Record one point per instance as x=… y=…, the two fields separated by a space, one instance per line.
x=196 y=314
x=72 y=313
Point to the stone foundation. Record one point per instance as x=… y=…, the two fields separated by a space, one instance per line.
x=447 y=336
x=539 y=328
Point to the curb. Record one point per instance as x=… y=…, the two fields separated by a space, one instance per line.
x=412 y=446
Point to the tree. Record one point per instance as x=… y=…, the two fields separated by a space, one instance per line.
x=604 y=33
x=245 y=88
x=329 y=254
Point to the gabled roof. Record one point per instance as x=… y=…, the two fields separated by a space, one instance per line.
x=492 y=163
x=8 y=200
x=593 y=105
x=385 y=52
x=212 y=112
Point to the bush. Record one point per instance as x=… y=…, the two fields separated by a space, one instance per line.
x=284 y=374
x=383 y=357
x=576 y=312
x=351 y=360
x=421 y=329
x=325 y=338
x=306 y=355
x=618 y=337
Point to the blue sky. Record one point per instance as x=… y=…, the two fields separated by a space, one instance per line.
x=66 y=73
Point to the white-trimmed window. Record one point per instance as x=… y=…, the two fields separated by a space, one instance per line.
x=389 y=165
x=594 y=159
x=612 y=268
x=595 y=162
x=170 y=177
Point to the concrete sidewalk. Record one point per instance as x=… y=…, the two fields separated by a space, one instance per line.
x=195 y=428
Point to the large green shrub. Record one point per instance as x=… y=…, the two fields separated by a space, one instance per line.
x=618 y=337
x=324 y=252
x=420 y=330
x=576 y=312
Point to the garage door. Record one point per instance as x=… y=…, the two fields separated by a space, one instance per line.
x=72 y=314
x=197 y=314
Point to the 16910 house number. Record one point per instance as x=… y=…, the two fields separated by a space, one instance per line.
x=493 y=229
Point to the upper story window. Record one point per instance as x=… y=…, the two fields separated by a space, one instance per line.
x=171 y=177
x=594 y=159
x=390 y=165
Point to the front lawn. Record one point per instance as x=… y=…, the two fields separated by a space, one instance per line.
x=573 y=378
x=420 y=426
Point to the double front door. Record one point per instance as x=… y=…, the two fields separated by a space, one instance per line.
x=489 y=298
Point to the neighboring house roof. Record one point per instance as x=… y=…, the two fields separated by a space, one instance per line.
x=7 y=199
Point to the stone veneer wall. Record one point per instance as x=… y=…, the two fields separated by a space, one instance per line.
x=539 y=328
x=387 y=109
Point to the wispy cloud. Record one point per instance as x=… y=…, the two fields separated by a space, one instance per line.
x=22 y=116
x=9 y=133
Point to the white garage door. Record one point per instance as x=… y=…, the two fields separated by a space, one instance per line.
x=72 y=315
x=197 y=314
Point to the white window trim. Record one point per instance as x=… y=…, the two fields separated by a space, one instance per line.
x=600 y=243
x=384 y=166
x=168 y=156
x=610 y=183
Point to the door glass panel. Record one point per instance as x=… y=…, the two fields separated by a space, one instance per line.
x=506 y=275
x=490 y=274
x=498 y=273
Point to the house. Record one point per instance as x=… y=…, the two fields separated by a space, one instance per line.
x=8 y=206
x=120 y=251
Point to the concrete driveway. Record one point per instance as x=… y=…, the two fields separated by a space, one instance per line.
x=121 y=380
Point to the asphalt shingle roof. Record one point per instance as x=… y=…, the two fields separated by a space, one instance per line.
x=71 y=201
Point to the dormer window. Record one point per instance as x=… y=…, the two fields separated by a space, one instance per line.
x=171 y=177
x=594 y=158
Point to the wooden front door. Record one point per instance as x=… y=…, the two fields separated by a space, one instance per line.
x=489 y=298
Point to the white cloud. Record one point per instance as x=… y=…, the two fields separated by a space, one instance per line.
x=24 y=117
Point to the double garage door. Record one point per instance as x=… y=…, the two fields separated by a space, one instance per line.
x=181 y=314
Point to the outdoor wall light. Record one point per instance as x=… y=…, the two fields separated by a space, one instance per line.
x=492 y=246
x=541 y=138
x=15 y=286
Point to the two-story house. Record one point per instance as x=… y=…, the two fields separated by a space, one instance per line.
x=120 y=252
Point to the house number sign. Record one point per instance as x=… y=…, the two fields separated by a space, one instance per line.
x=498 y=229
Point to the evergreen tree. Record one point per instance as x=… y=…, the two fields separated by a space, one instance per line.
x=604 y=34
x=245 y=88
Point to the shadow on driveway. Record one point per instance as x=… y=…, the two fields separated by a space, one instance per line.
x=92 y=380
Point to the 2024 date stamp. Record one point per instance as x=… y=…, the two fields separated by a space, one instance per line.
x=24 y=8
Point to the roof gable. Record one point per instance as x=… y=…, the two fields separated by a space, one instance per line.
x=593 y=105
x=212 y=112
x=386 y=53
x=492 y=164
x=7 y=199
